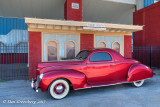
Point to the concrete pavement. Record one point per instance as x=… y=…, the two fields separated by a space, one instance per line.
x=18 y=93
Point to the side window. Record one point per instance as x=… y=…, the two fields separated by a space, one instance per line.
x=101 y=56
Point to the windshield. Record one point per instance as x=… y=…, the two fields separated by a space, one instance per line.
x=83 y=54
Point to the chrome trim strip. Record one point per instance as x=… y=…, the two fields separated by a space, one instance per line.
x=109 y=84
x=101 y=85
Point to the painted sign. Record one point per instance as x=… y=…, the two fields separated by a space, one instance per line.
x=94 y=28
x=95 y=24
x=75 y=6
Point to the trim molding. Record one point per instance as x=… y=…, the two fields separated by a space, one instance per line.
x=46 y=47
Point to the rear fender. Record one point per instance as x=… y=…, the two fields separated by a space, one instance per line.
x=77 y=79
x=139 y=72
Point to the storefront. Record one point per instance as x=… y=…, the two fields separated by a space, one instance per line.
x=55 y=40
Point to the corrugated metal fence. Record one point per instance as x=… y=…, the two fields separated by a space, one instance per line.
x=147 y=55
x=13 y=61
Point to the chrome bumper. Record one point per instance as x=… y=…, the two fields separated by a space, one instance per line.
x=35 y=84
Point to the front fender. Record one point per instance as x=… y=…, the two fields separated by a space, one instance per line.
x=77 y=79
x=139 y=72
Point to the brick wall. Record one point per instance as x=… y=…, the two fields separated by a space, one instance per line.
x=86 y=41
x=70 y=13
x=128 y=46
x=34 y=52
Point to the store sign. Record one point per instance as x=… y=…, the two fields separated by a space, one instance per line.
x=94 y=28
x=75 y=6
x=95 y=25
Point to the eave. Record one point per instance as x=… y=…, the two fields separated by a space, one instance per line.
x=79 y=25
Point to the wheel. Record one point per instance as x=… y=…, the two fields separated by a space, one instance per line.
x=59 y=89
x=138 y=83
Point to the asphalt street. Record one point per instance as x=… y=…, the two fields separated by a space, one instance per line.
x=19 y=93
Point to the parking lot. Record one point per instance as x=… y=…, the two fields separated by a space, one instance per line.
x=19 y=93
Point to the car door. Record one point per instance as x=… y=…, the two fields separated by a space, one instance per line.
x=100 y=68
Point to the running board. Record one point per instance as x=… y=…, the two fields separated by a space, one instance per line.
x=101 y=85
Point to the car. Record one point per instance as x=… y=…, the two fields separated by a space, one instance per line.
x=90 y=68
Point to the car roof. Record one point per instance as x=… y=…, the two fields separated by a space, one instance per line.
x=100 y=49
x=114 y=53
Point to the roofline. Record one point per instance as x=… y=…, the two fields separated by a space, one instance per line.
x=131 y=2
x=51 y=23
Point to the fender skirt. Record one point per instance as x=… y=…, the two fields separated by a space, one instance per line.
x=139 y=72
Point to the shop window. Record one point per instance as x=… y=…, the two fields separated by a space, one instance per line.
x=70 y=49
x=116 y=46
x=52 y=50
x=102 y=44
x=21 y=47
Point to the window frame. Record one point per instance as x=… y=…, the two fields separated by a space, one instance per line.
x=103 y=42
x=119 y=45
x=101 y=61
x=52 y=40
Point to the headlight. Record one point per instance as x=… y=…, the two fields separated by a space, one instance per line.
x=41 y=75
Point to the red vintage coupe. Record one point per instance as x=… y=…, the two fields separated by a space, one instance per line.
x=90 y=68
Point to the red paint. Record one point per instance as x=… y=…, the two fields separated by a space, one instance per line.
x=65 y=10
x=75 y=77
x=86 y=41
x=73 y=14
x=150 y=18
x=10 y=58
x=128 y=46
x=83 y=73
x=138 y=69
x=34 y=52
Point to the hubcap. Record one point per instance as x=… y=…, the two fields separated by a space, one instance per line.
x=138 y=82
x=59 y=88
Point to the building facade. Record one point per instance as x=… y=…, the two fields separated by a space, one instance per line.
x=93 y=29
x=55 y=40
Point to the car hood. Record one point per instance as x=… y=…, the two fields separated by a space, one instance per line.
x=56 y=65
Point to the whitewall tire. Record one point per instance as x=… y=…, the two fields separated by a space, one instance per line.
x=138 y=83
x=59 y=89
